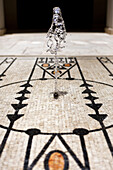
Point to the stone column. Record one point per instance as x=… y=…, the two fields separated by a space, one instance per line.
x=2 y=22
x=109 y=23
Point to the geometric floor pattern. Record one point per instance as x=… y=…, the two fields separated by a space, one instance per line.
x=72 y=132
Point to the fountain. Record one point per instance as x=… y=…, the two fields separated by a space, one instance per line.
x=57 y=35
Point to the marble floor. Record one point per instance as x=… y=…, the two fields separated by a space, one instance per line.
x=72 y=132
x=79 y=44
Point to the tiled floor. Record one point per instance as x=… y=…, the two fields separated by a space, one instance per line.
x=72 y=132
x=81 y=44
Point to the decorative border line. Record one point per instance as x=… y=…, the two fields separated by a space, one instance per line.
x=3 y=61
x=95 y=106
x=10 y=63
x=13 y=117
x=45 y=70
x=106 y=60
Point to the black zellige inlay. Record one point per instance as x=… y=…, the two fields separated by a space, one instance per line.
x=51 y=60
x=61 y=60
x=71 y=152
x=67 y=133
x=10 y=63
x=60 y=67
x=3 y=61
x=101 y=61
x=80 y=132
x=109 y=60
x=34 y=132
x=41 y=60
x=67 y=71
x=105 y=60
x=31 y=133
x=45 y=70
x=71 y=60
x=66 y=60
x=41 y=153
x=13 y=117
x=96 y=106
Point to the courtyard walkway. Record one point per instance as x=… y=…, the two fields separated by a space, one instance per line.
x=79 y=44
x=72 y=132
